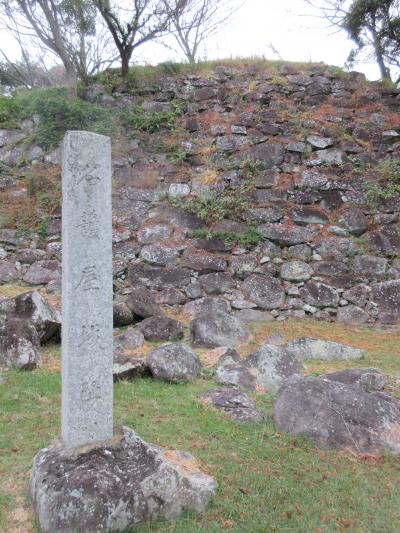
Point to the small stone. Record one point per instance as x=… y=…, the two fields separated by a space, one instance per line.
x=319 y=142
x=126 y=367
x=235 y=404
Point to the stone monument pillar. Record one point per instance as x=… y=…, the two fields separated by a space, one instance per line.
x=87 y=292
x=92 y=478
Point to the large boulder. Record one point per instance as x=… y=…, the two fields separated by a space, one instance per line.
x=235 y=404
x=309 y=348
x=319 y=294
x=217 y=329
x=8 y=272
x=115 y=486
x=286 y=235
x=266 y=291
x=33 y=307
x=122 y=315
x=265 y=369
x=174 y=362
x=142 y=303
x=386 y=296
x=354 y=220
x=273 y=365
x=296 y=271
x=369 y=379
x=204 y=306
x=339 y=416
x=19 y=344
x=43 y=272
x=161 y=328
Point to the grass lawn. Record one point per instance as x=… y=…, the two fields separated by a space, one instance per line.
x=267 y=481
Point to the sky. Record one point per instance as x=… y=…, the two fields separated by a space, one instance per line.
x=296 y=31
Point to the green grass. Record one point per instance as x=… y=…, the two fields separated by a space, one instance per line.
x=267 y=481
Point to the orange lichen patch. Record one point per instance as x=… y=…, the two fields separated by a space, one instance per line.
x=184 y=461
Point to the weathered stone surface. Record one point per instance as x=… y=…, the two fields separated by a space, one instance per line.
x=43 y=272
x=286 y=236
x=217 y=329
x=319 y=294
x=217 y=283
x=329 y=157
x=232 y=370
x=339 y=416
x=171 y=296
x=296 y=271
x=203 y=262
x=28 y=256
x=354 y=220
x=319 y=142
x=87 y=290
x=8 y=272
x=386 y=296
x=174 y=362
x=312 y=179
x=358 y=295
x=128 y=367
x=385 y=241
x=253 y=315
x=263 y=214
x=369 y=379
x=153 y=233
x=141 y=302
x=265 y=291
x=158 y=277
x=335 y=247
x=122 y=315
x=46 y=319
x=159 y=255
x=234 y=403
x=130 y=339
x=19 y=344
x=273 y=365
x=270 y=154
x=305 y=214
x=352 y=314
x=309 y=348
x=205 y=306
x=161 y=328
x=120 y=486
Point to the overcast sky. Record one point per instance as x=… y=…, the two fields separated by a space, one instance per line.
x=295 y=30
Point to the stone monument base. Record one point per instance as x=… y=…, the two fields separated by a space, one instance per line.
x=115 y=485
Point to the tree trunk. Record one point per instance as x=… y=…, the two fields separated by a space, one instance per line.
x=125 y=57
x=72 y=84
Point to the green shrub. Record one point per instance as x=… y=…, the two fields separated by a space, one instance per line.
x=55 y=113
x=150 y=121
x=213 y=206
x=10 y=112
x=388 y=184
x=251 y=237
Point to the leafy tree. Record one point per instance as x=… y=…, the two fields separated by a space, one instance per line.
x=374 y=25
x=66 y=28
x=131 y=25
